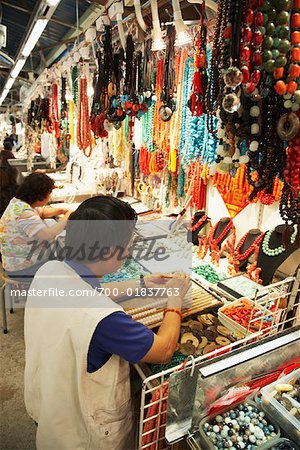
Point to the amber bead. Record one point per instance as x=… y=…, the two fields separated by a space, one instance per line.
x=280 y=87
x=296 y=37
x=291 y=87
x=295 y=54
x=294 y=71
x=278 y=73
x=295 y=22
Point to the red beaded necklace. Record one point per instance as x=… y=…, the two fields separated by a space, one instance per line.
x=219 y=239
x=84 y=138
x=247 y=253
x=199 y=223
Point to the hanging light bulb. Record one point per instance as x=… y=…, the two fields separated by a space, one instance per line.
x=182 y=35
x=157 y=39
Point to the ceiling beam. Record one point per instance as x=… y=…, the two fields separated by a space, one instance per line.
x=16 y=7
x=86 y=20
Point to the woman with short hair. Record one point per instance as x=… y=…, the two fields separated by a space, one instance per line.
x=24 y=234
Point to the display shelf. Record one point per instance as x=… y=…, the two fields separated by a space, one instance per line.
x=242 y=360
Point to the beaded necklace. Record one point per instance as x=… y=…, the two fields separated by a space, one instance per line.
x=275 y=251
x=224 y=233
x=75 y=75
x=84 y=139
x=186 y=115
x=199 y=223
x=250 y=250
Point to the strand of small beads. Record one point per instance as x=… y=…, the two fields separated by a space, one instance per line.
x=75 y=75
x=278 y=250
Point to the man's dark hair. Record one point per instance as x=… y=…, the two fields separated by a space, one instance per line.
x=7 y=145
x=99 y=223
x=35 y=188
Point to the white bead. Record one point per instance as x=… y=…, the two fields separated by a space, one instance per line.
x=254 y=146
x=295 y=106
x=244 y=159
x=254 y=111
x=227 y=160
x=287 y=96
x=288 y=104
x=297 y=96
x=254 y=128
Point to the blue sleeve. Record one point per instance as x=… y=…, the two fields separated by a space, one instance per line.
x=118 y=334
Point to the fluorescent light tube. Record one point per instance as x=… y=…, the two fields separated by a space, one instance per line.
x=9 y=83
x=17 y=69
x=34 y=36
x=53 y=2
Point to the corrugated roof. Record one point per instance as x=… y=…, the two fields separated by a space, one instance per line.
x=16 y=15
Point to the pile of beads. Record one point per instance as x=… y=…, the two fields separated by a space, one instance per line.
x=244 y=427
x=209 y=273
x=245 y=314
x=130 y=270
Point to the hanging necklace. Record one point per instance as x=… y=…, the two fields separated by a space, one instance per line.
x=247 y=253
x=84 y=139
x=224 y=233
x=275 y=251
x=199 y=223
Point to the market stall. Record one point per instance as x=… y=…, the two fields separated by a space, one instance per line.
x=197 y=127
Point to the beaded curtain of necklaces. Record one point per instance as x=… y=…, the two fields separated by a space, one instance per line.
x=254 y=75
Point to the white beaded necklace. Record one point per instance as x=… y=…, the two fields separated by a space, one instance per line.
x=274 y=251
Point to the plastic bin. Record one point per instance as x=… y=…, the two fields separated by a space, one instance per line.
x=207 y=444
x=281 y=415
x=233 y=325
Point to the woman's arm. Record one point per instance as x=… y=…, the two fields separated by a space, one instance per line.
x=49 y=211
x=49 y=233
